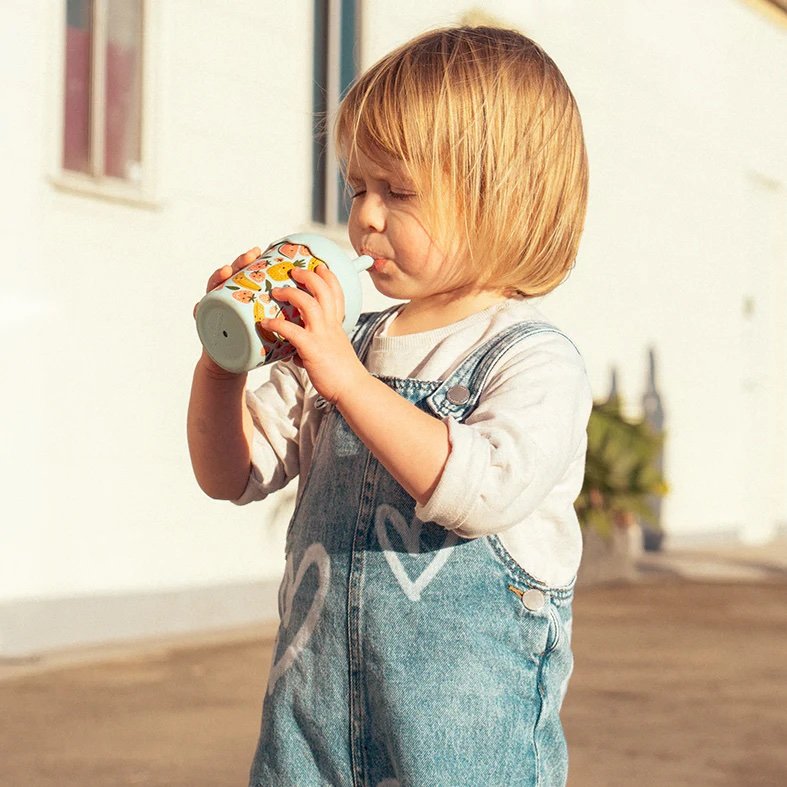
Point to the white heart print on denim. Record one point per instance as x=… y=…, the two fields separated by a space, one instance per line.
x=315 y=555
x=411 y=538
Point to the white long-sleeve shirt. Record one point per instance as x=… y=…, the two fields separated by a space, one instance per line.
x=516 y=463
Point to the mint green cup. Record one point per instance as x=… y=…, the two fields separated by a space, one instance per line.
x=228 y=317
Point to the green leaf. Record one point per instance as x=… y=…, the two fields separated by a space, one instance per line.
x=622 y=474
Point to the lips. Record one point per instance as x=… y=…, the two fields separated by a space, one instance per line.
x=379 y=259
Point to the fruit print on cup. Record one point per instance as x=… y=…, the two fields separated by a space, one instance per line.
x=229 y=316
x=253 y=286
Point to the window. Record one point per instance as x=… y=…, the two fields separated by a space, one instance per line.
x=102 y=107
x=336 y=55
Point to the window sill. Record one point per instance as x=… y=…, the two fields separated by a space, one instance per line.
x=110 y=189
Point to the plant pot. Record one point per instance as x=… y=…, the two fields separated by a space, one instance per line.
x=611 y=559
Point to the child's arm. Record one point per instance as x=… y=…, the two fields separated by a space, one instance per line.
x=412 y=445
x=219 y=426
x=477 y=477
x=219 y=431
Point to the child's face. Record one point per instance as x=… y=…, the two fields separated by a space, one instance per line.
x=386 y=222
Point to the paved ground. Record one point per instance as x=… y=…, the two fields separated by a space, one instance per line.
x=678 y=681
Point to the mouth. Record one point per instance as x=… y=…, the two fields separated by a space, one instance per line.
x=379 y=261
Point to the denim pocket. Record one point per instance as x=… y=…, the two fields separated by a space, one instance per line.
x=520 y=576
x=540 y=608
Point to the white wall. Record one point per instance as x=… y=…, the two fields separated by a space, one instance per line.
x=684 y=109
x=684 y=123
x=99 y=492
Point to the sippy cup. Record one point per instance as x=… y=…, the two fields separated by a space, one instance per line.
x=228 y=317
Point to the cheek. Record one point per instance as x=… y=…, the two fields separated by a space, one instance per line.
x=353 y=230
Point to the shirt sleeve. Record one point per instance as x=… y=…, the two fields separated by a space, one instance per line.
x=519 y=442
x=277 y=410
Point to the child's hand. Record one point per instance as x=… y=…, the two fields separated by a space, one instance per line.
x=221 y=275
x=216 y=279
x=324 y=349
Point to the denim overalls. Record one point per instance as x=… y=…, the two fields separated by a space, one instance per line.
x=408 y=655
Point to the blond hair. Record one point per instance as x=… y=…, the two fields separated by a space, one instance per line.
x=482 y=117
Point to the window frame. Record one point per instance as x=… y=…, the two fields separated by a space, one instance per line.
x=337 y=77
x=141 y=193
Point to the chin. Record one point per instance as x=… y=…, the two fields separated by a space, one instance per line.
x=385 y=286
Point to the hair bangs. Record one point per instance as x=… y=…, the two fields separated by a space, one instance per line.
x=485 y=126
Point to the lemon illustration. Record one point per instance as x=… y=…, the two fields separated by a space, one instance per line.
x=280 y=271
x=314 y=262
x=259 y=311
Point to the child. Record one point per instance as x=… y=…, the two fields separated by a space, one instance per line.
x=426 y=603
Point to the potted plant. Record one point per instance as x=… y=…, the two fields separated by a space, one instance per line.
x=622 y=480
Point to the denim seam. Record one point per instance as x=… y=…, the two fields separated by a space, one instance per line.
x=556 y=624
x=542 y=689
x=408 y=383
x=321 y=431
x=518 y=574
x=367 y=327
x=541 y=702
x=354 y=639
x=477 y=367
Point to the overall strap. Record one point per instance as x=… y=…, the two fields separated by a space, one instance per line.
x=365 y=329
x=459 y=393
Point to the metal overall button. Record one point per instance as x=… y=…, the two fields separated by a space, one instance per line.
x=458 y=394
x=533 y=600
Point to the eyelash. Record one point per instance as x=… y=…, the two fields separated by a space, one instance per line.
x=393 y=194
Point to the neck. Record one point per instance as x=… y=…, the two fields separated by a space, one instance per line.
x=437 y=311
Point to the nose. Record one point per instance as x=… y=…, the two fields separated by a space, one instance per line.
x=368 y=210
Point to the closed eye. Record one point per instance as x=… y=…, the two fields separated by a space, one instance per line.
x=397 y=195
x=400 y=194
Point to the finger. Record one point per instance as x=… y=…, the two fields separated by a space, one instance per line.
x=246 y=259
x=310 y=309
x=329 y=277
x=222 y=274
x=219 y=277
x=289 y=331
x=316 y=286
